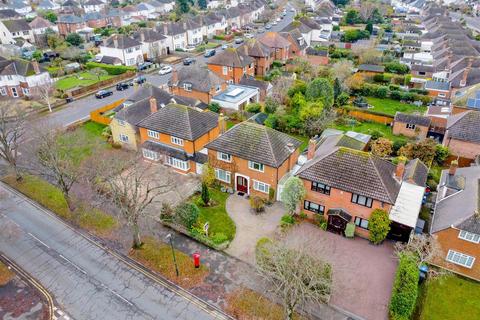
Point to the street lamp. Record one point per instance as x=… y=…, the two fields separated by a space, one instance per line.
x=169 y=238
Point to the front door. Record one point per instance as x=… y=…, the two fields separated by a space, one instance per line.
x=242 y=184
x=336 y=224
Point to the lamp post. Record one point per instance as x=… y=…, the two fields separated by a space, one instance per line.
x=169 y=238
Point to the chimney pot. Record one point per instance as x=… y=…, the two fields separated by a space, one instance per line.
x=165 y=29
x=453 y=167
x=153 y=105
x=311 y=149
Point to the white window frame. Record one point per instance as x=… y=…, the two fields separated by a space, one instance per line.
x=251 y=166
x=469 y=236
x=14 y=92
x=225 y=157
x=442 y=95
x=224 y=70
x=121 y=123
x=261 y=186
x=3 y=92
x=153 y=134
x=177 y=141
x=25 y=91
x=455 y=257
x=178 y=164
x=187 y=86
x=123 y=137
x=228 y=175
x=149 y=154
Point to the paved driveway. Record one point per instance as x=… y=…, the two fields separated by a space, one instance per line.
x=251 y=227
x=362 y=273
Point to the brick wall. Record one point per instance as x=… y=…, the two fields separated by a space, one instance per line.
x=461 y=148
x=401 y=128
x=233 y=74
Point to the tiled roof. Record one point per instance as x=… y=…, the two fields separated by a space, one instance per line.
x=251 y=141
x=371 y=68
x=149 y=35
x=181 y=121
x=20 y=67
x=437 y=85
x=231 y=57
x=93 y=3
x=416 y=171
x=8 y=13
x=274 y=40
x=39 y=23
x=199 y=77
x=465 y=126
x=69 y=18
x=17 y=25
x=413 y=119
x=252 y=82
x=120 y=41
x=254 y=48
x=356 y=172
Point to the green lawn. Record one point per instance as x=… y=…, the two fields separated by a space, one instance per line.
x=449 y=298
x=74 y=80
x=216 y=215
x=304 y=140
x=390 y=106
x=369 y=127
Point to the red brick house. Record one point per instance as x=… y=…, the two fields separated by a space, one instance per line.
x=70 y=24
x=262 y=55
x=277 y=44
x=231 y=65
x=411 y=125
x=463 y=135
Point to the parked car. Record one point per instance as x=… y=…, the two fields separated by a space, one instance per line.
x=188 y=61
x=248 y=35
x=138 y=80
x=261 y=30
x=209 y=53
x=238 y=40
x=225 y=46
x=268 y=26
x=122 y=86
x=190 y=48
x=144 y=66
x=165 y=69
x=103 y=93
x=274 y=23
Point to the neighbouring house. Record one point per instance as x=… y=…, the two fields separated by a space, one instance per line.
x=21 y=7
x=456 y=221
x=370 y=69
x=277 y=44
x=136 y=108
x=251 y=158
x=9 y=14
x=411 y=125
x=317 y=57
x=345 y=185
x=47 y=5
x=176 y=34
x=231 y=65
x=93 y=6
x=40 y=25
x=196 y=82
x=176 y=135
x=70 y=24
x=20 y=78
x=154 y=44
x=463 y=135
x=298 y=45
x=123 y=47
x=438 y=89
x=97 y=19
x=262 y=55
x=237 y=97
x=13 y=30
x=264 y=87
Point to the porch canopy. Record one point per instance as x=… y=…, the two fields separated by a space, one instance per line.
x=340 y=213
x=408 y=204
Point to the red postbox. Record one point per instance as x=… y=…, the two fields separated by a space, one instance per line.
x=196 y=259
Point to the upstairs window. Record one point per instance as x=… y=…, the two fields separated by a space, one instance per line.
x=153 y=134
x=362 y=200
x=224 y=156
x=468 y=236
x=256 y=166
x=410 y=126
x=177 y=141
x=320 y=187
x=460 y=259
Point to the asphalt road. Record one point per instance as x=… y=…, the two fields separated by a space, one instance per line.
x=86 y=280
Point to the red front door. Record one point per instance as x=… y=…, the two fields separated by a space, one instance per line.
x=242 y=184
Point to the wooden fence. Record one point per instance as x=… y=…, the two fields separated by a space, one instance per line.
x=99 y=114
x=99 y=85
x=362 y=115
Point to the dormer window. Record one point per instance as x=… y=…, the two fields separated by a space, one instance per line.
x=187 y=86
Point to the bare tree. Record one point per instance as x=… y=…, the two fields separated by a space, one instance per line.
x=280 y=89
x=12 y=132
x=128 y=181
x=366 y=10
x=98 y=72
x=316 y=125
x=44 y=90
x=58 y=162
x=342 y=69
x=293 y=276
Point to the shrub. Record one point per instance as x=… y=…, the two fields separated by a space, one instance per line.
x=254 y=107
x=379 y=225
x=271 y=195
x=396 y=67
x=376 y=134
x=214 y=107
x=111 y=69
x=261 y=246
x=116 y=145
x=257 y=204
x=205 y=194
x=342 y=99
x=186 y=214
x=277 y=64
x=166 y=212
x=350 y=230
x=208 y=174
x=287 y=219
x=405 y=289
x=302 y=215
x=397 y=144
x=219 y=238
x=321 y=221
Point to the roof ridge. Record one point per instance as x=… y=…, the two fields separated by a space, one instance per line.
x=378 y=174
x=270 y=144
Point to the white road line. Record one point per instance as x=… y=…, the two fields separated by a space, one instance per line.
x=31 y=235
x=73 y=264
x=81 y=119
x=126 y=301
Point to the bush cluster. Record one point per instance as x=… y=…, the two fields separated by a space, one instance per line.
x=393 y=92
x=405 y=289
x=111 y=69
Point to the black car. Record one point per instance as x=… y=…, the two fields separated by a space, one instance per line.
x=122 y=86
x=209 y=53
x=138 y=80
x=103 y=93
x=188 y=61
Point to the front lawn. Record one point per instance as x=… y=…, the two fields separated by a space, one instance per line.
x=216 y=215
x=81 y=79
x=369 y=128
x=449 y=298
x=5 y=274
x=157 y=255
x=390 y=106
x=52 y=198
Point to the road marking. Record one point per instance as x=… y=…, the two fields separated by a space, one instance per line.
x=78 y=120
x=73 y=264
x=121 y=297
x=31 y=235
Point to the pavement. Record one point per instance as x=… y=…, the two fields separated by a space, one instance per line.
x=88 y=280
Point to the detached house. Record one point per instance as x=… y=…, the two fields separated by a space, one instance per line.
x=13 y=30
x=261 y=54
x=251 y=158
x=40 y=25
x=231 y=65
x=20 y=78
x=176 y=135
x=277 y=44
x=411 y=125
x=70 y=24
x=93 y=6
x=124 y=48
x=456 y=221
x=463 y=135
x=154 y=44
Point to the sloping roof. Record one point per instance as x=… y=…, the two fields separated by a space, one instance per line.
x=416 y=172
x=39 y=23
x=407 y=205
x=110 y=60
x=69 y=18
x=16 y=25
x=254 y=48
x=253 y=82
x=19 y=66
x=412 y=119
x=356 y=172
x=231 y=57
x=181 y=121
x=257 y=143
x=120 y=41
x=8 y=13
x=148 y=35
x=199 y=77
x=314 y=52
x=371 y=68
x=93 y=3
x=274 y=40
x=465 y=126
x=437 y=85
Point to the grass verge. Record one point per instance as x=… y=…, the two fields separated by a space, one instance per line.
x=157 y=256
x=82 y=79
x=390 y=106
x=51 y=198
x=5 y=274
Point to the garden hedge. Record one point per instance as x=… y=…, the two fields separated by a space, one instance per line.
x=405 y=289
x=111 y=69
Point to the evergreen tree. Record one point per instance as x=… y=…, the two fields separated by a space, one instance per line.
x=337 y=89
x=369 y=27
x=182 y=6
x=202 y=4
x=205 y=194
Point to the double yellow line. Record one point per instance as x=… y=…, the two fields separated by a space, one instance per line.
x=28 y=278
x=205 y=306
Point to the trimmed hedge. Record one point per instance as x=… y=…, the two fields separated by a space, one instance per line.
x=405 y=289
x=111 y=69
x=393 y=92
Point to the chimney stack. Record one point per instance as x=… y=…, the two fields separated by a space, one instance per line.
x=453 y=167
x=115 y=41
x=463 y=83
x=184 y=25
x=311 y=149
x=400 y=170
x=165 y=29
x=174 y=79
x=222 y=123
x=142 y=35
x=153 y=105
x=36 y=66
